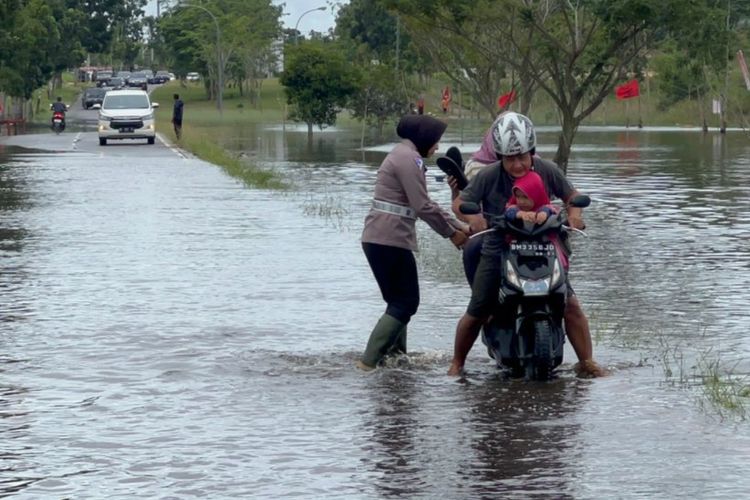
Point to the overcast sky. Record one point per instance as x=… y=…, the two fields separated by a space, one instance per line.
x=317 y=20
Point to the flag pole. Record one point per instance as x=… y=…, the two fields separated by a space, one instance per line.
x=640 y=119
x=627 y=113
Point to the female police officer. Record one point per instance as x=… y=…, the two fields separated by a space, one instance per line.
x=389 y=236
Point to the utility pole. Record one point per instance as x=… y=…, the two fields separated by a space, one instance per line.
x=219 y=65
x=398 y=40
x=724 y=98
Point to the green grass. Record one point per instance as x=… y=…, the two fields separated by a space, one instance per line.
x=236 y=108
x=200 y=133
x=70 y=92
x=205 y=147
x=721 y=390
x=727 y=392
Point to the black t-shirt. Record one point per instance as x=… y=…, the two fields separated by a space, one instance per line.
x=493 y=187
x=59 y=107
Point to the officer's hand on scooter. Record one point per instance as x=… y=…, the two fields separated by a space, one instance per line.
x=459 y=238
x=477 y=224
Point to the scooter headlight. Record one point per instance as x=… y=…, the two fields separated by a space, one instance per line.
x=557 y=274
x=511 y=275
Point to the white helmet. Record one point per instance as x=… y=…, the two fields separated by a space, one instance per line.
x=513 y=134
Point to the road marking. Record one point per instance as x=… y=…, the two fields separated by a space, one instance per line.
x=75 y=141
x=174 y=149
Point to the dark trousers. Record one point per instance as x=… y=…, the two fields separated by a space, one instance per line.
x=177 y=127
x=395 y=270
x=471 y=254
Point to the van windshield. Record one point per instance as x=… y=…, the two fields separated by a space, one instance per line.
x=125 y=102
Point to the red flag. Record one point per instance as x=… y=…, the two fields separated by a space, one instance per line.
x=628 y=90
x=506 y=100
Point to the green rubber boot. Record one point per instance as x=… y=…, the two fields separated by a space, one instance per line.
x=382 y=338
x=399 y=346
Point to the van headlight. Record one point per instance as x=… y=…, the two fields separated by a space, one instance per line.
x=149 y=116
x=105 y=118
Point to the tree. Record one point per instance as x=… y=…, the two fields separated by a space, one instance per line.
x=247 y=28
x=378 y=99
x=374 y=33
x=103 y=16
x=318 y=81
x=30 y=36
x=574 y=51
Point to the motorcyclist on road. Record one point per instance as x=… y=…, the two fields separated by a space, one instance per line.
x=514 y=140
x=59 y=106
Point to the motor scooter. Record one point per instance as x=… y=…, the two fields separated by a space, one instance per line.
x=58 y=116
x=58 y=122
x=525 y=334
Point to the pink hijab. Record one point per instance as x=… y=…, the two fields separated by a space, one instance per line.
x=486 y=153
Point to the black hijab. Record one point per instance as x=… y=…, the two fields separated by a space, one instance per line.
x=423 y=130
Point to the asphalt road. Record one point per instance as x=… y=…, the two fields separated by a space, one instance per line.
x=88 y=142
x=80 y=136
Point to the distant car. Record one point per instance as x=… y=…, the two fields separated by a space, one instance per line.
x=138 y=80
x=161 y=77
x=125 y=75
x=93 y=95
x=102 y=78
x=127 y=114
x=115 y=83
x=193 y=77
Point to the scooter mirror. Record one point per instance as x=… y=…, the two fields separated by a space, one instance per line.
x=580 y=201
x=469 y=208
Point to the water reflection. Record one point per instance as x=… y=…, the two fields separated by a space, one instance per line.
x=395 y=423
x=16 y=462
x=523 y=437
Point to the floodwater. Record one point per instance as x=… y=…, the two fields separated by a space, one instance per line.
x=168 y=333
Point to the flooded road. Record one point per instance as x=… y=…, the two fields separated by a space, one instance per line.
x=169 y=333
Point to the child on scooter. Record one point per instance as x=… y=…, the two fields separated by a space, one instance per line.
x=530 y=203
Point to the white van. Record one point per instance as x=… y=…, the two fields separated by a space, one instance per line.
x=127 y=114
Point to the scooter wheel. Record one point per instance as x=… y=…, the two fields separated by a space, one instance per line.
x=543 y=361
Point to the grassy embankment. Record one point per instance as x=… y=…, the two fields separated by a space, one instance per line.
x=203 y=126
x=70 y=92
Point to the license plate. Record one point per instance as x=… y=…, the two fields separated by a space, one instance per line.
x=126 y=130
x=535 y=287
x=57 y=120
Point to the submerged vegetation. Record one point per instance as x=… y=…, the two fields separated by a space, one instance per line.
x=721 y=389
x=208 y=150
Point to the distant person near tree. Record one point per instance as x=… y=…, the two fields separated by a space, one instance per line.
x=420 y=105
x=177 y=115
x=446 y=101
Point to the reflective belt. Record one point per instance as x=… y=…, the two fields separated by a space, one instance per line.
x=392 y=208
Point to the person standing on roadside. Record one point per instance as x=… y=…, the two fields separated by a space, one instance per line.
x=177 y=115
x=390 y=237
